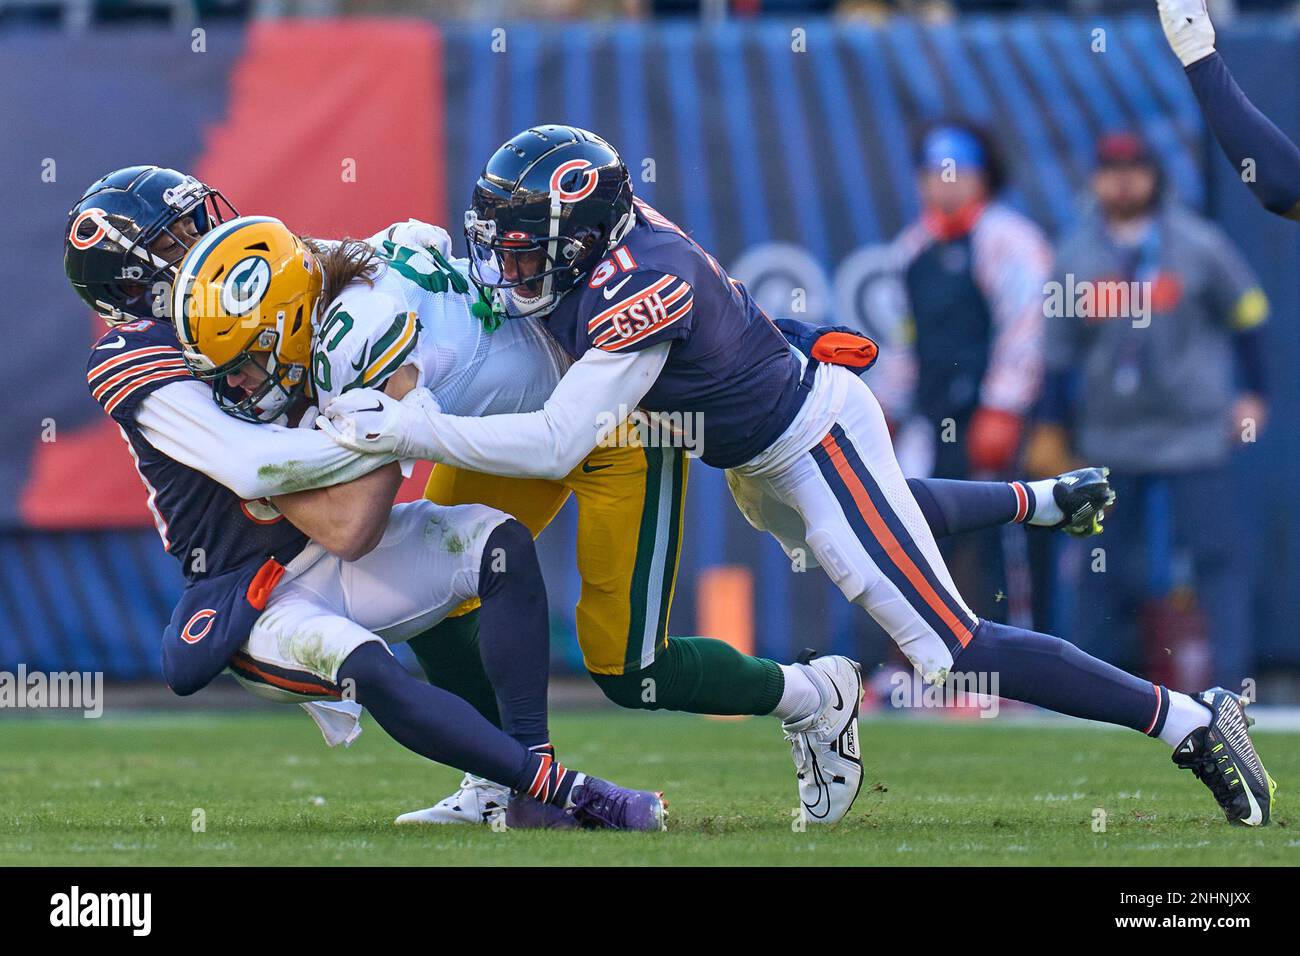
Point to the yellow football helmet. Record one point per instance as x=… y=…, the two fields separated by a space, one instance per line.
x=245 y=298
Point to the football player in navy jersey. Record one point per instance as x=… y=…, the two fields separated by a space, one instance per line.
x=1248 y=138
x=288 y=582
x=390 y=312
x=653 y=321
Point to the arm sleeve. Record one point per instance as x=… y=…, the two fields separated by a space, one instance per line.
x=1247 y=135
x=594 y=396
x=1012 y=268
x=253 y=461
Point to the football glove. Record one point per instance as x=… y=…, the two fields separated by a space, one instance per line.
x=370 y=422
x=1188 y=29
x=417 y=235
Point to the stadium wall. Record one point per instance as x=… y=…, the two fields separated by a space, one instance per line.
x=792 y=168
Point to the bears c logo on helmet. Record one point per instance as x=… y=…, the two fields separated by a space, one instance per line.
x=590 y=179
x=78 y=237
x=197 y=627
x=246 y=285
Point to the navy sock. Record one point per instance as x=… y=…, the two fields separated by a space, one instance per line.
x=514 y=631
x=445 y=728
x=1048 y=672
x=951 y=507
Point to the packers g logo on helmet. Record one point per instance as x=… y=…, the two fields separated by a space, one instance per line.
x=244 y=301
x=246 y=286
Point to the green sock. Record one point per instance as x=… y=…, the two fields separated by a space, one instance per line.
x=698 y=675
x=448 y=655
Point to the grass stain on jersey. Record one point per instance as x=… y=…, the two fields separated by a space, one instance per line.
x=454 y=541
x=291 y=476
x=308 y=652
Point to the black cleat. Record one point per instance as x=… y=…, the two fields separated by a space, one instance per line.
x=1083 y=495
x=1223 y=758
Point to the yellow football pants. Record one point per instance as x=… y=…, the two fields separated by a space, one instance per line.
x=631 y=502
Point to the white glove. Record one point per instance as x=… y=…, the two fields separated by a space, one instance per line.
x=1188 y=29
x=366 y=420
x=416 y=234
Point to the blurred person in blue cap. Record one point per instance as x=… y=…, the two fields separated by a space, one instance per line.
x=1155 y=366
x=966 y=367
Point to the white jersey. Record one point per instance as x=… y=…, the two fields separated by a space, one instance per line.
x=417 y=313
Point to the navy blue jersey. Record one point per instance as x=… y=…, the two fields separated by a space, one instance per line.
x=727 y=361
x=204 y=525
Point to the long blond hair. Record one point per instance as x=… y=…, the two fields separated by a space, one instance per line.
x=342 y=262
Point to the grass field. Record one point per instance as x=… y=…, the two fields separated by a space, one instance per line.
x=124 y=790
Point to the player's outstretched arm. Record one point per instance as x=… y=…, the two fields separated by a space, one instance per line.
x=1248 y=138
x=594 y=396
x=253 y=461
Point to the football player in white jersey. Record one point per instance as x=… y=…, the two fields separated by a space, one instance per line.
x=417 y=309
x=396 y=313
x=298 y=618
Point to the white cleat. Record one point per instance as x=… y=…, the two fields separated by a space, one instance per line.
x=477 y=801
x=827 y=758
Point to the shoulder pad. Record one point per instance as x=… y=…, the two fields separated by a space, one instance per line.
x=625 y=312
x=130 y=361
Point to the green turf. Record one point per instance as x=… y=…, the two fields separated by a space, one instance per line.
x=124 y=791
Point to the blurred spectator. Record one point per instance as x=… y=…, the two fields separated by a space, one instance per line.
x=969 y=363
x=1155 y=368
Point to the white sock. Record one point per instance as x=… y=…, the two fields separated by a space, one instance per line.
x=801 y=695
x=1046 y=511
x=1185 y=715
x=578 y=781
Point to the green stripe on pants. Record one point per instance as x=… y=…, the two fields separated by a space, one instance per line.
x=656 y=556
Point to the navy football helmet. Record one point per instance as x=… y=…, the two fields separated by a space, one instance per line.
x=128 y=232
x=547 y=207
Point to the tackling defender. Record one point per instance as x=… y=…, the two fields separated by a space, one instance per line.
x=290 y=620
x=396 y=315
x=552 y=224
x=1245 y=134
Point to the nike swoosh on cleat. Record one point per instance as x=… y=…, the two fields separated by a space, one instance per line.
x=823 y=794
x=1256 y=814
